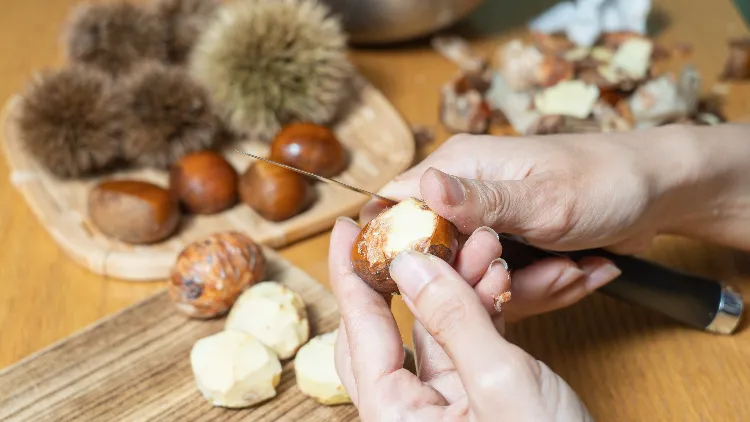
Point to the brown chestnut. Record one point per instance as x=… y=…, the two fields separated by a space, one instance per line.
x=133 y=211
x=205 y=182
x=408 y=225
x=210 y=274
x=309 y=147
x=274 y=192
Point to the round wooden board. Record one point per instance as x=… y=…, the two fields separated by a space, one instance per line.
x=381 y=147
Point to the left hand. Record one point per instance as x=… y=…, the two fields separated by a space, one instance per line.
x=466 y=370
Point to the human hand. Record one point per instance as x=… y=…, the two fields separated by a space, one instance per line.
x=566 y=192
x=466 y=370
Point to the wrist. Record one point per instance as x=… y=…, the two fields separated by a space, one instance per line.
x=700 y=179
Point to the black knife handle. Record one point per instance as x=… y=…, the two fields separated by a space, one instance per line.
x=697 y=301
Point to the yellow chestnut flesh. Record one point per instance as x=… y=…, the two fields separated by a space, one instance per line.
x=409 y=225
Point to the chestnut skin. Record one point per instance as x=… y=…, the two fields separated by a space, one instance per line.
x=309 y=147
x=371 y=260
x=205 y=182
x=274 y=192
x=133 y=211
x=210 y=274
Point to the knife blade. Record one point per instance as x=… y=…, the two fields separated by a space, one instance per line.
x=321 y=178
x=743 y=7
x=700 y=302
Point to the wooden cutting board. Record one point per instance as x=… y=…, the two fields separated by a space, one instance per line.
x=379 y=141
x=135 y=366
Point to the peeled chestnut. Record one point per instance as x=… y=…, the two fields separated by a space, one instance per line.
x=133 y=211
x=408 y=225
x=204 y=182
x=309 y=147
x=210 y=274
x=274 y=192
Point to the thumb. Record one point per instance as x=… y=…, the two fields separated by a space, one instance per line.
x=507 y=206
x=451 y=312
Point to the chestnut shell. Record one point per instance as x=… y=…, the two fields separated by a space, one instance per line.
x=443 y=243
x=309 y=147
x=275 y=193
x=133 y=211
x=210 y=274
x=205 y=182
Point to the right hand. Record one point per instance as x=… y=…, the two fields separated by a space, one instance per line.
x=566 y=192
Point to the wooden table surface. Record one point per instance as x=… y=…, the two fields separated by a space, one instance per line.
x=625 y=363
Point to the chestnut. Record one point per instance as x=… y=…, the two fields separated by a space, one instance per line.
x=210 y=274
x=205 y=182
x=274 y=192
x=309 y=147
x=408 y=225
x=133 y=211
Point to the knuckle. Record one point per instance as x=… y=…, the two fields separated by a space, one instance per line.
x=456 y=140
x=495 y=381
x=447 y=314
x=494 y=201
x=555 y=202
x=502 y=377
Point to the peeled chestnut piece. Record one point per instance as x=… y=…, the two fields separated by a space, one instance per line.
x=309 y=147
x=133 y=211
x=204 y=182
x=274 y=192
x=408 y=225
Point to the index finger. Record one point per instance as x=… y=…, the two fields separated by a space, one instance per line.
x=452 y=313
x=374 y=340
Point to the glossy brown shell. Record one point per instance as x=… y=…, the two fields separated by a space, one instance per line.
x=133 y=211
x=210 y=274
x=204 y=182
x=274 y=192
x=443 y=244
x=309 y=147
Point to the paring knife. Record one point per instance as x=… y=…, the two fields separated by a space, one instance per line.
x=699 y=302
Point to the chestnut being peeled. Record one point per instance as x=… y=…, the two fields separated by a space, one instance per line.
x=309 y=147
x=408 y=225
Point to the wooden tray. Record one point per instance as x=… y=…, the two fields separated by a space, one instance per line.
x=381 y=144
x=135 y=366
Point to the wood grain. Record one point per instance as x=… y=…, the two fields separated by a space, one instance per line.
x=135 y=365
x=625 y=368
x=381 y=146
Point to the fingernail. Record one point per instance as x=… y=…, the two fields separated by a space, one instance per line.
x=568 y=277
x=453 y=190
x=346 y=219
x=488 y=230
x=412 y=271
x=600 y=275
x=498 y=261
